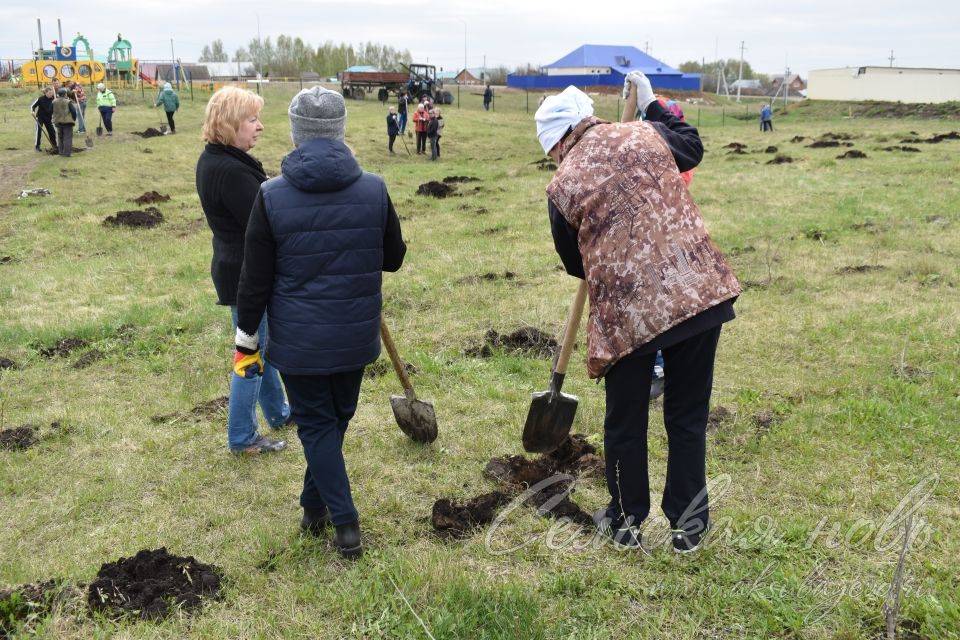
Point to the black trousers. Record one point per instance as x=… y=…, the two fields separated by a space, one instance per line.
x=392 y=137
x=421 y=141
x=173 y=127
x=322 y=407
x=51 y=133
x=688 y=371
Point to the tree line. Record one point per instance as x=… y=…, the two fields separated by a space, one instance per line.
x=291 y=56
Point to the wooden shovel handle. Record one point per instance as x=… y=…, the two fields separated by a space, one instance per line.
x=395 y=357
x=573 y=325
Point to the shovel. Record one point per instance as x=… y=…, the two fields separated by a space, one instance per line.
x=100 y=126
x=414 y=417
x=551 y=412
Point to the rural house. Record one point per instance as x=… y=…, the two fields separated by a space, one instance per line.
x=896 y=84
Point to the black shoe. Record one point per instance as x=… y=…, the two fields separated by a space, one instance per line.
x=686 y=542
x=656 y=388
x=623 y=536
x=348 y=540
x=314 y=521
x=39 y=150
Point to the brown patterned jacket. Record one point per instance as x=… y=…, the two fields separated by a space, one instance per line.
x=648 y=259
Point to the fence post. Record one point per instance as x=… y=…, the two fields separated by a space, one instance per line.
x=723 y=116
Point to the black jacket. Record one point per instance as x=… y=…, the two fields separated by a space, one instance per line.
x=228 y=181
x=42 y=107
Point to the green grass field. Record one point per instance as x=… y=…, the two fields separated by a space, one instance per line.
x=840 y=376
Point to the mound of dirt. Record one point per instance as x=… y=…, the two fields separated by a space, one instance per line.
x=18 y=438
x=453 y=520
x=206 y=410
x=796 y=139
x=823 y=144
x=935 y=139
x=7 y=363
x=149 y=132
x=435 y=189
x=151 y=584
x=30 y=602
x=780 y=159
x=455 y=179
x=851 y=154
x=718 y=416
x=63 y=347
x=736 y=146
x=89 y=358
x=6 y=259
x=489 y=277
x=151 y=197
x=149 y=217
x=770 y=149
x=836 y=136
x=383 y=367
x=860 y=268
x=902 y=148
x=526 y=340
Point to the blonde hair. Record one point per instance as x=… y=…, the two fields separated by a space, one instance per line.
x=227 y=109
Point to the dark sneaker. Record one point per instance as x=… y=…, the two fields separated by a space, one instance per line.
x=314 y=521
x=686 y=542
x=260 y=445
x=656 y=388
x=623 y=536
x=286 y=423
x=348 y=540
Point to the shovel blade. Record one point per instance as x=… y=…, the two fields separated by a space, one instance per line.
x=548 y=421
x=99 y=131
x=88 y=141
x=415 y=418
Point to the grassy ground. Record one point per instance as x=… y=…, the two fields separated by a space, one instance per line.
x=840 y=375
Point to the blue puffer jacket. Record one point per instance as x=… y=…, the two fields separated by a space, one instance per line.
x=327 y=217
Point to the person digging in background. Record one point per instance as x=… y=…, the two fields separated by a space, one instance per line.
x=622 y=218
x=107 y=105
x=42 y=110
x=766 y=118
x=171 y=103
x=79 y=97
x=393 y=128
x=319 y=238
x=228 y=180
x=64 y=118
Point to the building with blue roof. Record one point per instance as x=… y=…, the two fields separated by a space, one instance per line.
x=594 y=65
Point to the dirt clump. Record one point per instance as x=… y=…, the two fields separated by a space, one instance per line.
x=902 y=148
x=780 y=159
x=526 y=340
x=383 y=367
x=152 y=584
x=717 y=417
x=149 y=132
x=7 y=363
x=31 y=602
x=860 y=268
x=851 y=154
x=63 y=347
x=823 y=144
x=453 y=520
x=770 y=149
x=796 y=139
x=149 y=217
x=6 y=259
x=455 y=179
x=18 y=438
x=89 y=358
x=934 y=139
x=836 y=136
x=206 y=410
x=545 y=164
x=735 y=146
x=435 y=189
x=489 y=276
x=151 y=197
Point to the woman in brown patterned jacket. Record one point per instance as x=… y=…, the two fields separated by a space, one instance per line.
x=623 y=219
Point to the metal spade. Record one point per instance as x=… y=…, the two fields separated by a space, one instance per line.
x=414 y=417
x=551 y=412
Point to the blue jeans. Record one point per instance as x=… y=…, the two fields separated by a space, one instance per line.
x=245 y=393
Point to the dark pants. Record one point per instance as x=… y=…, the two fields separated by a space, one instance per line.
x=107 y=114
x=688 y=368
x=392 y=137
x=51 y=133
x=65 y=139
x=421 y=141
x=434 y=147
x=766 y=125
x=173 y=126
x=322 y=407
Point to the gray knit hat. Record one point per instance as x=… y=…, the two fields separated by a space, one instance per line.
x=317 y=113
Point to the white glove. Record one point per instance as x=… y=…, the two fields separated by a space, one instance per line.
x=645 y=95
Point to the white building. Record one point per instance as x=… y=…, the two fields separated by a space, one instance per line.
x=894 y=84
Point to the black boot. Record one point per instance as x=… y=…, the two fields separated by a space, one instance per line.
x=348 y=540
x=314 y=521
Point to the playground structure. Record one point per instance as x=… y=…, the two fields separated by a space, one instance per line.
x=64 y=62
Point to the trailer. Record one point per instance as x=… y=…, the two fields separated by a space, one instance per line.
x=418 y=80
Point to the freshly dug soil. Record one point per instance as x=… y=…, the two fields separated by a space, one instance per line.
x=770 y=149
x=6 y=259
x=206 y=410
x=780 y=159
x=149 y=217
x=797 y=139
x=902 y=148
x=7 y=363
x=151 y=197
x=33 y=601
x=454 y=520
x=383 y=367
x=935 y=139
x=836 y=136
x=63 y=347
x=151 y=584
x=737 y=146
x=455 y=179
x=435 y=189
x=18 y=438
x=527 y=340
x=89 y=358
x=149 y=132
x=851 y=154
x=718 y=416
x=823 y=144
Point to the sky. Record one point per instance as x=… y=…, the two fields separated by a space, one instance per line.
x=800 y=34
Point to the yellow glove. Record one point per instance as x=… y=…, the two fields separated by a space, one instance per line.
x=247 y=365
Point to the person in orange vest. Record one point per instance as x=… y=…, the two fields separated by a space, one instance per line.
x=421 y=121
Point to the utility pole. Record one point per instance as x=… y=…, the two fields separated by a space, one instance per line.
x=786 y=86
x=740 y=74
x=891 y=58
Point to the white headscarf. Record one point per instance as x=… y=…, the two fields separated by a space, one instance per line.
x=560 y=112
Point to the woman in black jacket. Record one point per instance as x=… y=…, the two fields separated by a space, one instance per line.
x=228 y=180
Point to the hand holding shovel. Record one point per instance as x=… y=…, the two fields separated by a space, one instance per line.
x=551 y=412
x=414 y=417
